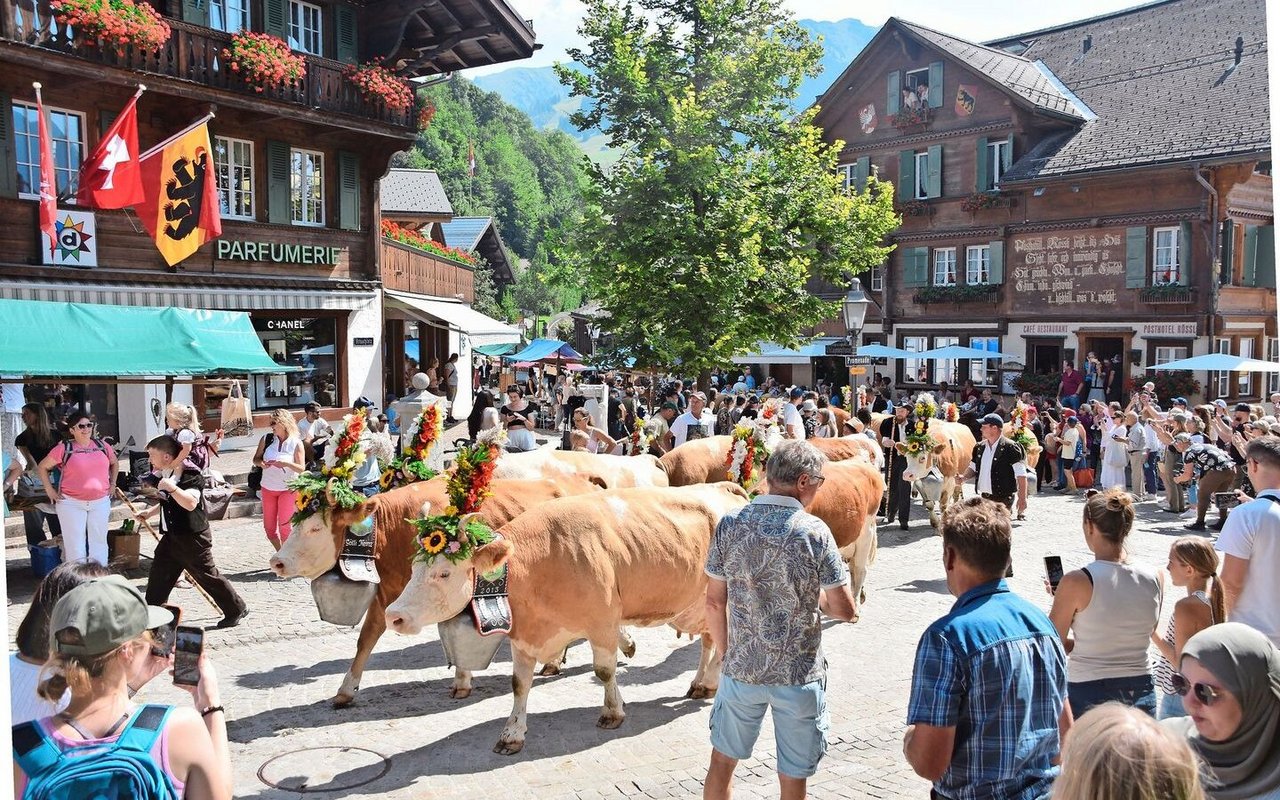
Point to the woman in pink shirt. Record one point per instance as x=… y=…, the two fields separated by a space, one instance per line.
x=82 y=498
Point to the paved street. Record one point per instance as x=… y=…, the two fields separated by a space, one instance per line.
x=280 y=669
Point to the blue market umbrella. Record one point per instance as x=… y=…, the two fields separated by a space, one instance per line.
x=1218 y=362
x=881 y=351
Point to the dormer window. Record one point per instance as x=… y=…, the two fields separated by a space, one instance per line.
x=915 y=89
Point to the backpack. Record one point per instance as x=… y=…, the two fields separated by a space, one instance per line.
x=120 y=770
x=198 y=457
x=55 y=474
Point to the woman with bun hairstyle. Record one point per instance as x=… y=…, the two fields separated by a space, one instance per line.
x=1106 y=612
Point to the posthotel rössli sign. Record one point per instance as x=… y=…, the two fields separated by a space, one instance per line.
x=278 y=252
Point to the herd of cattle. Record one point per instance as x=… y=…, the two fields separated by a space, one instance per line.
x=596 y=543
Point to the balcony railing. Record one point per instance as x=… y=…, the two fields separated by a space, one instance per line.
x=193 y=53
x=1167 y=294
x=406 y=269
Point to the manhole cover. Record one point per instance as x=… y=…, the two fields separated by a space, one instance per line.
x=323 y=769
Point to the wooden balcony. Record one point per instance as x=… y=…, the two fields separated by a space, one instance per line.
x=194 y=54
x=407 y=269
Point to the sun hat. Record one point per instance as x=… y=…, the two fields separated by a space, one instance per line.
x=808 y=405
x=99 y=615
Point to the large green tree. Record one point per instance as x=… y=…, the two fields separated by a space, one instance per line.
x=699 y=241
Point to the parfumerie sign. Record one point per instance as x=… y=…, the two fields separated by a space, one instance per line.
x=278 y=253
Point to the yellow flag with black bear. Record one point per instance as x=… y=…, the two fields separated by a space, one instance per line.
x=180 y=204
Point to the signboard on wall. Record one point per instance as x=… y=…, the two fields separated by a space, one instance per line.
x=278 y=252
x=76 y=243
x=1068 y=268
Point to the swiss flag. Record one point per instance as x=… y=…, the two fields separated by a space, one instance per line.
x=111 y=176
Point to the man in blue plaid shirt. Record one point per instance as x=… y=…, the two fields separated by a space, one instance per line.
x=988 y=706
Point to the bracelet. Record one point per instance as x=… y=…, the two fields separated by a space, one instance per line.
x=212 y=709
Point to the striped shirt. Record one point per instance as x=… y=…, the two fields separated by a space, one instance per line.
x=995 y=670
x=1161 y=669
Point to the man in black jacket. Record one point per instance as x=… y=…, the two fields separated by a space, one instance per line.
x=892 y=431
x=1000 y=466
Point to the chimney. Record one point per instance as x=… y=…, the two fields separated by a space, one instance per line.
x=1088 y=43
x=1239 y=49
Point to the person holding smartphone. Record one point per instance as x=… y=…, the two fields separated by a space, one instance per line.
x=281 y=461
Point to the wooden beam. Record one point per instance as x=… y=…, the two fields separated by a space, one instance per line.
x=431 y=53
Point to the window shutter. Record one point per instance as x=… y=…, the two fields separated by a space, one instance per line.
x=348 y=191
x=8 y=150
x=935 y=85
x=894 y=103
x=1227 y=256
x=1264 y=273
x=861 y=169
x=1135 y=258
x=1249 y=269
x=275 y=18
x=984 y=169
x=935 y=171
x=196 y=12
x=1006 y=158
x=1184 y=254
x=105 y=120
x=996 y=255
x=348 y=41
x=907 y=175
x=278 y=188
x=915 y=267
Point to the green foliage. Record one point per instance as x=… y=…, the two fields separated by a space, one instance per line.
x=968 y=293
x=486 y=294
x=1037 y=384
x=700 y=240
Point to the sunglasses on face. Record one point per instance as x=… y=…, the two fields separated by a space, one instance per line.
x=1206 y=694
x=85 y=426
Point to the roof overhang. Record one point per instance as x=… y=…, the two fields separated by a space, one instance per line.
x=422 y=38
x=482 y=329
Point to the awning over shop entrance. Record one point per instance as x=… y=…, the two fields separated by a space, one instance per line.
x=85 y=340
x=770 y=353
x=480 y=328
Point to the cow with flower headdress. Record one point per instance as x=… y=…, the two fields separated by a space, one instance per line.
x=937 y=453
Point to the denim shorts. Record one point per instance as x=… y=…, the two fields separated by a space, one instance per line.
x=800 y=722
x=1137 y=691
x=1171 y=707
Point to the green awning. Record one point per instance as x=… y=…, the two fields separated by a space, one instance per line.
x=495 y=349
x=42 y=339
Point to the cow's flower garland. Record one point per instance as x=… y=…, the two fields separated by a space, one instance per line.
x=918 y=437
x=846 y=396
x=331 y=486
x=411 y=465
x=348 y=455
x=752 y=443
x=455 y=534
x=641 y=438
x=1021 y=434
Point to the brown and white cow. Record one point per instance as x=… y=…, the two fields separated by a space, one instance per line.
x=705 y=460
x=582 y=567
x=315 y=543
x=1033 y=452
x=937 y=474
x=611 y=472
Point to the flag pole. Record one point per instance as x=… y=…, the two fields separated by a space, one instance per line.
x=210 y=115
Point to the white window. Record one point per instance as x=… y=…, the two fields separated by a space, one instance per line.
x=997 y=154
x=231 y=16
x=1244 y=380
x=944 y=266
x=876 y=279
x=922 y=175
x=983 y=371
x=1221 y=380
x=946 y=370
x=845 y=171
x=306 y=187
x=1166 y=354
x=1164 y=256
x=977 y=265
x=234 y=161
x=915 y=370
x=304 y=27
x=66 y=129
x=1273 y=355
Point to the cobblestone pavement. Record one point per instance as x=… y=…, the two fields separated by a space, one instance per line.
x=281 y=667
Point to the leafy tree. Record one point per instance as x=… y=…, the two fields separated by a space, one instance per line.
x=486 y=295
x=700 y=240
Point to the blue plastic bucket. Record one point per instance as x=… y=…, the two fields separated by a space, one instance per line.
x=44 y=559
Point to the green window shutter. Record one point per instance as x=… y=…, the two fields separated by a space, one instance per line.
x=984 y=169
x=278 y=188
x=861 y=169
x=894 y=102
x=935 y=85
x=1006 y=158
x=1227 y=257
x=196 y=12
x=1264 y=273
x=1135 y=258
x=1184 y=254
x=105 y=120
x=348 y=191
x=935 y=171
x=275 y=18
x=907 y=175
x=1250 y=265
x=348 y=41
x=996 y=254
x=915 y=267
x=8 y=150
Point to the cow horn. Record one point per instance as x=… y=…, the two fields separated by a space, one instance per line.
x=466 y=519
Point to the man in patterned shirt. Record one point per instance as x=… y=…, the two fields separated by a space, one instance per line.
x=772 y=567
x=1213 y=470
x=988 y=707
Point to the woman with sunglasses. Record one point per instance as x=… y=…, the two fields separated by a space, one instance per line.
x=87 y=475
x=598 y=441
x=1230 y=684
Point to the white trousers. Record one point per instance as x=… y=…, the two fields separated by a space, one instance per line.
x=84 y=529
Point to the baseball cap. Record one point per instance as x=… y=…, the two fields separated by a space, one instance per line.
x=993 y=419
x=1179 y=401
x=1183 y=437
x=700 y=395
x=1220 y=403
x=666 y=406
x=362 y=402
x=797 y=392
x=99 y=615
x=1243 y=407
x=808 y=405
x=1073 y=420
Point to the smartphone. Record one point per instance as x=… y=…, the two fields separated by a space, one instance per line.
x=1225 y=500
x=1053 y=566
x=189 y=643
x=166 y=634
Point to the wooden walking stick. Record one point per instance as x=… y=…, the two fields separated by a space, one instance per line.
x=144 y=522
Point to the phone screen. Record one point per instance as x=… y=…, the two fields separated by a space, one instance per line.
x=189 y=644
x=1225 y=500
x=1053 y=566
x=166 y=634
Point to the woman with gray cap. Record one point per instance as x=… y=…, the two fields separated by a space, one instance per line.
x=1229 y=680
x=99 y=637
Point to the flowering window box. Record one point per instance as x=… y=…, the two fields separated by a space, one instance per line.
x=909 y=118
x=980 y=201
x=1167 y=294
x=979 y=293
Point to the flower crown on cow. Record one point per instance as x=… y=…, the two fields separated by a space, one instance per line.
x=331 y=486
x=411 y=465
x=753 y=441
x=918 y=437
x=455 y=534
x=1021 y=434
x=640 y=438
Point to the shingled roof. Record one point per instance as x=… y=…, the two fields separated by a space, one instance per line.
x=1162 y=80
x=414 y=191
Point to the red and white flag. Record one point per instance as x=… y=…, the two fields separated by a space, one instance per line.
x=471 y=159
x=48 y=178
x=111 y=176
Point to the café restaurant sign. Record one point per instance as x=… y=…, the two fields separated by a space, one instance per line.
x=1069 y=268
x=278 y=252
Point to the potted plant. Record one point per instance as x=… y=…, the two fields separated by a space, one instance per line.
x=979 y=201
x=113 y=23
x=910 y=118
x=123 y=545
x=263 y=61
x=379 y=84
x=411 y=238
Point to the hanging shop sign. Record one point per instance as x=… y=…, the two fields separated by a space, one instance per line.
x=278 y=252
x=75 y=243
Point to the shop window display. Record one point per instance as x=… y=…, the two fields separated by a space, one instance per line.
x=310 y=344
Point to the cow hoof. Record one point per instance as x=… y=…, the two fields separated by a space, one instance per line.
x=609 y=721
x=458 y=693
x=862 y=596
x=549 y=670
x=342 y=700
x=505 y=747
x=630 y=650
x=700 y=693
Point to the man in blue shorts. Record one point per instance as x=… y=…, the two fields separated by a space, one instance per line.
x=772 y=567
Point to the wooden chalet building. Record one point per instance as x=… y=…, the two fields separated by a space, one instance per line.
x=1101 y=186
x=297 y=170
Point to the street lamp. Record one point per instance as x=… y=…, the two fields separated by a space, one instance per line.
x=855 y=307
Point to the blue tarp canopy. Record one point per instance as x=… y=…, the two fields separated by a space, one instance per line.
x=1219 y=362
x=546 y=350
x=87 y=340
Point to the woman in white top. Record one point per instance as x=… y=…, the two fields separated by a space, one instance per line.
x=828 y=428
x=281 y=459
x=483 y=416
x=1193 y=564
x=518 y=414
x=1115 y=453
x=598 y=441
x=1105 y=613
